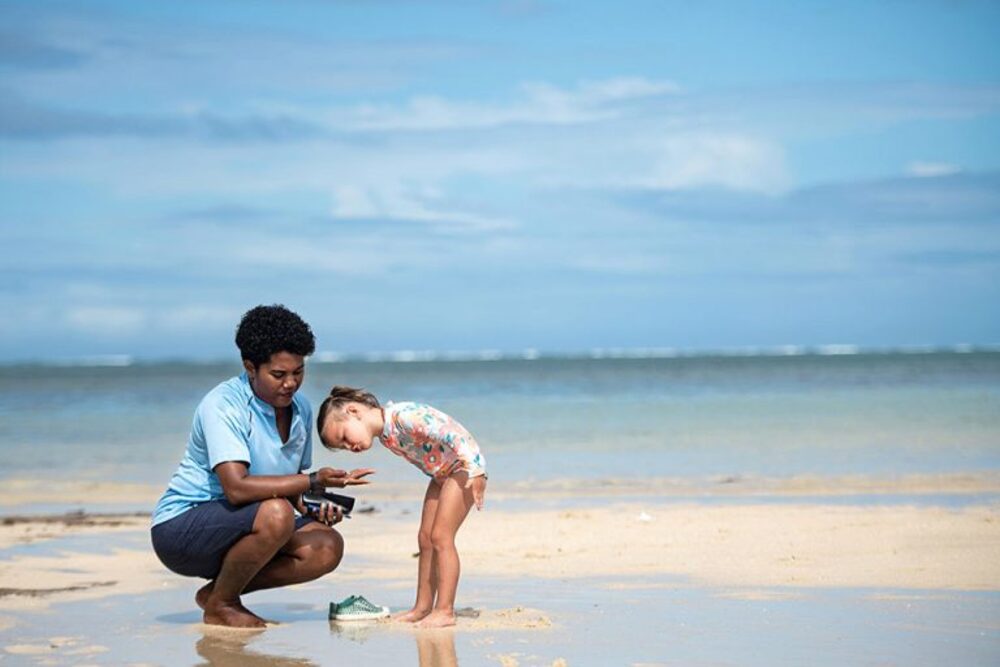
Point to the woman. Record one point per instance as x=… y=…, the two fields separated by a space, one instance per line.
x=227 y=514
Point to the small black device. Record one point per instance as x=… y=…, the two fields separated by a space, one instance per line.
x=313 y=501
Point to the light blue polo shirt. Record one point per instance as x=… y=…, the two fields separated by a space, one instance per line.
x=232 y=424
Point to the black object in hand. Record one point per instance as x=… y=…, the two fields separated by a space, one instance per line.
x=313 y=501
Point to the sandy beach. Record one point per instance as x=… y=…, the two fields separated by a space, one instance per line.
x=740 y=539
x=597 y=530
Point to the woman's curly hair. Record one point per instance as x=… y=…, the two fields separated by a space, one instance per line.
x=265 y=330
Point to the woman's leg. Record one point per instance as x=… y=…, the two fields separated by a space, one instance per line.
x=313 y=550
x=426 y=581
x=272 y=528
x=454 y=503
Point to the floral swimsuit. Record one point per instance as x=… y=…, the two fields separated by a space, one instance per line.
x=431 y=440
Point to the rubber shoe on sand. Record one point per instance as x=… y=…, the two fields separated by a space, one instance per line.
x=356 y=608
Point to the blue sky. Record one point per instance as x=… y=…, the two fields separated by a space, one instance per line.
x=498 y=175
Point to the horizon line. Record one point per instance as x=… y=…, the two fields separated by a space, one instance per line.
x=533 y=354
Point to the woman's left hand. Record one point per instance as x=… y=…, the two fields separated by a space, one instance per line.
x=356 y=476
x=341 y=478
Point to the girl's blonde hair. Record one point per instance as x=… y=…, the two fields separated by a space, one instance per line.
x=338 y=398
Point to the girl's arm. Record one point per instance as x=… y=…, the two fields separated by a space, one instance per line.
x=478 y=486
x=466 y=448
x=446 y=431
x=423 y=424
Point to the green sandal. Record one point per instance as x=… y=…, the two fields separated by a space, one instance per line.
x=356 y=608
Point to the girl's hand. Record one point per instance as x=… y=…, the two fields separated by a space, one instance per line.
x=478 y=485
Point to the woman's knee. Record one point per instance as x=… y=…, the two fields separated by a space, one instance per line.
x=328 y=550
x=275 y=518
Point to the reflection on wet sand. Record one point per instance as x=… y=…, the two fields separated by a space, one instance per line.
x=223 y=647
x=436 y=648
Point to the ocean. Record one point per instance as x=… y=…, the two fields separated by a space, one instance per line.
x=541 y=418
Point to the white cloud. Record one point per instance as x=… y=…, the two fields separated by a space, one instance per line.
x=615 y=132
x=106 y=320
x=391 y=202
x=195 y=318
x=365 y=256
x=155 y=58
x=541 y=103
x=723 y=160
x=656 y=157
x=354 y=201
x=115 y=321
x=931 y=169
x=618 y=263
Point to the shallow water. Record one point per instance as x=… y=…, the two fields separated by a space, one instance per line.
x=546 y=418
x=595 y=622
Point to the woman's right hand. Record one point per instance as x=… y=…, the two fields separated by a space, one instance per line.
x=328 y=513
x=341 y=478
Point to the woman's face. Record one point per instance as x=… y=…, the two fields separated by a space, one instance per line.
x=275 y=381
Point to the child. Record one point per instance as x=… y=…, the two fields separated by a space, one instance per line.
x=442 y=448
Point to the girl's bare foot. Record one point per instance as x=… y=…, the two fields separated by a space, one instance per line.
x=439 y=618
x=230 y=615
x=411 y=616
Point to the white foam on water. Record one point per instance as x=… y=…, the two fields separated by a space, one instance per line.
x=597 y=353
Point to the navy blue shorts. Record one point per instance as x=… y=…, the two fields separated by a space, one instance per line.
x=194 y=543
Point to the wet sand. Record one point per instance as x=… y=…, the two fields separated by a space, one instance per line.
x=544 y=566
x=26 y=496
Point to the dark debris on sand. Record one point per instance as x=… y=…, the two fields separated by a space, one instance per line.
x=41 y=592
x=78 y=518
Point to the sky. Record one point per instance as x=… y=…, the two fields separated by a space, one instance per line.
x=512 y=175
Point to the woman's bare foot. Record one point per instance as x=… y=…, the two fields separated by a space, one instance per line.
x=439 y=618
x=201 y=599
x=411 y=616
x=231 y=615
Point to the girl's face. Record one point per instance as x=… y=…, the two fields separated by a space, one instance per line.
x=276 y=380
x=347 y=430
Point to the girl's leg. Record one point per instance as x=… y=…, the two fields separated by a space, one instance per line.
x=426 y=581
x=436 y=649
x=454 y=503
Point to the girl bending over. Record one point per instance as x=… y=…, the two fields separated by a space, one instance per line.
x=439 y=446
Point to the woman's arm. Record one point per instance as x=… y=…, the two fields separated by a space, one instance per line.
x=241 y=487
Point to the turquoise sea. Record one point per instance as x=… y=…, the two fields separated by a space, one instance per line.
x=879 y=413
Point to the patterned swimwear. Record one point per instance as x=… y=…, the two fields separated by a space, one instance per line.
x=431 y=440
